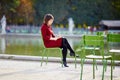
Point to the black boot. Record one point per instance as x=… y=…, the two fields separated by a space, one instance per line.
x=73 y=54
x=65 y=64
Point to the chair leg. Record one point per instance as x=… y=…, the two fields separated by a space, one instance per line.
x=94 y=68
x=105 y=65
x=61 y=57
x=43 y=56
x=96 y=65
x=113 y=64
x=75 y=62
x=103 y=69
x=111 y=68
x=61 y=62
x=47 y=53
x=113 y=61
x=82 y=62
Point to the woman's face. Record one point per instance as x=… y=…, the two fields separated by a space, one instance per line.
x=50 y=22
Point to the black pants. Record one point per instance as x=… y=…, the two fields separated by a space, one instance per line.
x=65 y=46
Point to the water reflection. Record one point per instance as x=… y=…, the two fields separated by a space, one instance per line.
x=9 y=44
x=3 y=45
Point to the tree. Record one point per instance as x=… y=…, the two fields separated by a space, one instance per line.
x=116 y=9
x=55 y=7
x=8 y=7
x=25 y=11
x=90 y=11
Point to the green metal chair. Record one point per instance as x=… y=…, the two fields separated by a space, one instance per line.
x=112 y=41
x=97 y=42
x=46 y=52
x=100 y=33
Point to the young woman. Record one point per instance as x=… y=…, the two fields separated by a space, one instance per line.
x=52 y=41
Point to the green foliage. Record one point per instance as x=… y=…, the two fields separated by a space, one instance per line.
x=82 y=11
x=7 y=6
x=116 y=8
x=90 y=11
x=55 y=7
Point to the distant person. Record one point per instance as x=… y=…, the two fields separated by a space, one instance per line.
x=7 y=29
x=105 y=30
x=91 y=29
x=52 y=41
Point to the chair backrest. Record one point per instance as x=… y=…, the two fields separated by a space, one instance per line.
x=113 y=41
x=100 y=33
x=94 y=41
x=113 y=37
x=42 y=40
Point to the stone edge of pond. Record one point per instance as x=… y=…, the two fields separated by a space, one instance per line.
x=50 y=59
x=34 y=35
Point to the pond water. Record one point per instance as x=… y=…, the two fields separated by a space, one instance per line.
x=33 y=46
x=26 y=45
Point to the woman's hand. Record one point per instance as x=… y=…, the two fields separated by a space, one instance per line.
x=55 y=38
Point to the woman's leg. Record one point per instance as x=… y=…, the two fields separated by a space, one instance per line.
x=64 y=53
x=66 y=43
x=65 y=46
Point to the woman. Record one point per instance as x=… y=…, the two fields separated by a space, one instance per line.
x=52 y=41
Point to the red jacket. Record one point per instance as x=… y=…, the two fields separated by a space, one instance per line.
x=47 y=33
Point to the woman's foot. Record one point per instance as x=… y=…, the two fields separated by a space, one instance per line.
x=73 y=54
x=65 y=64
